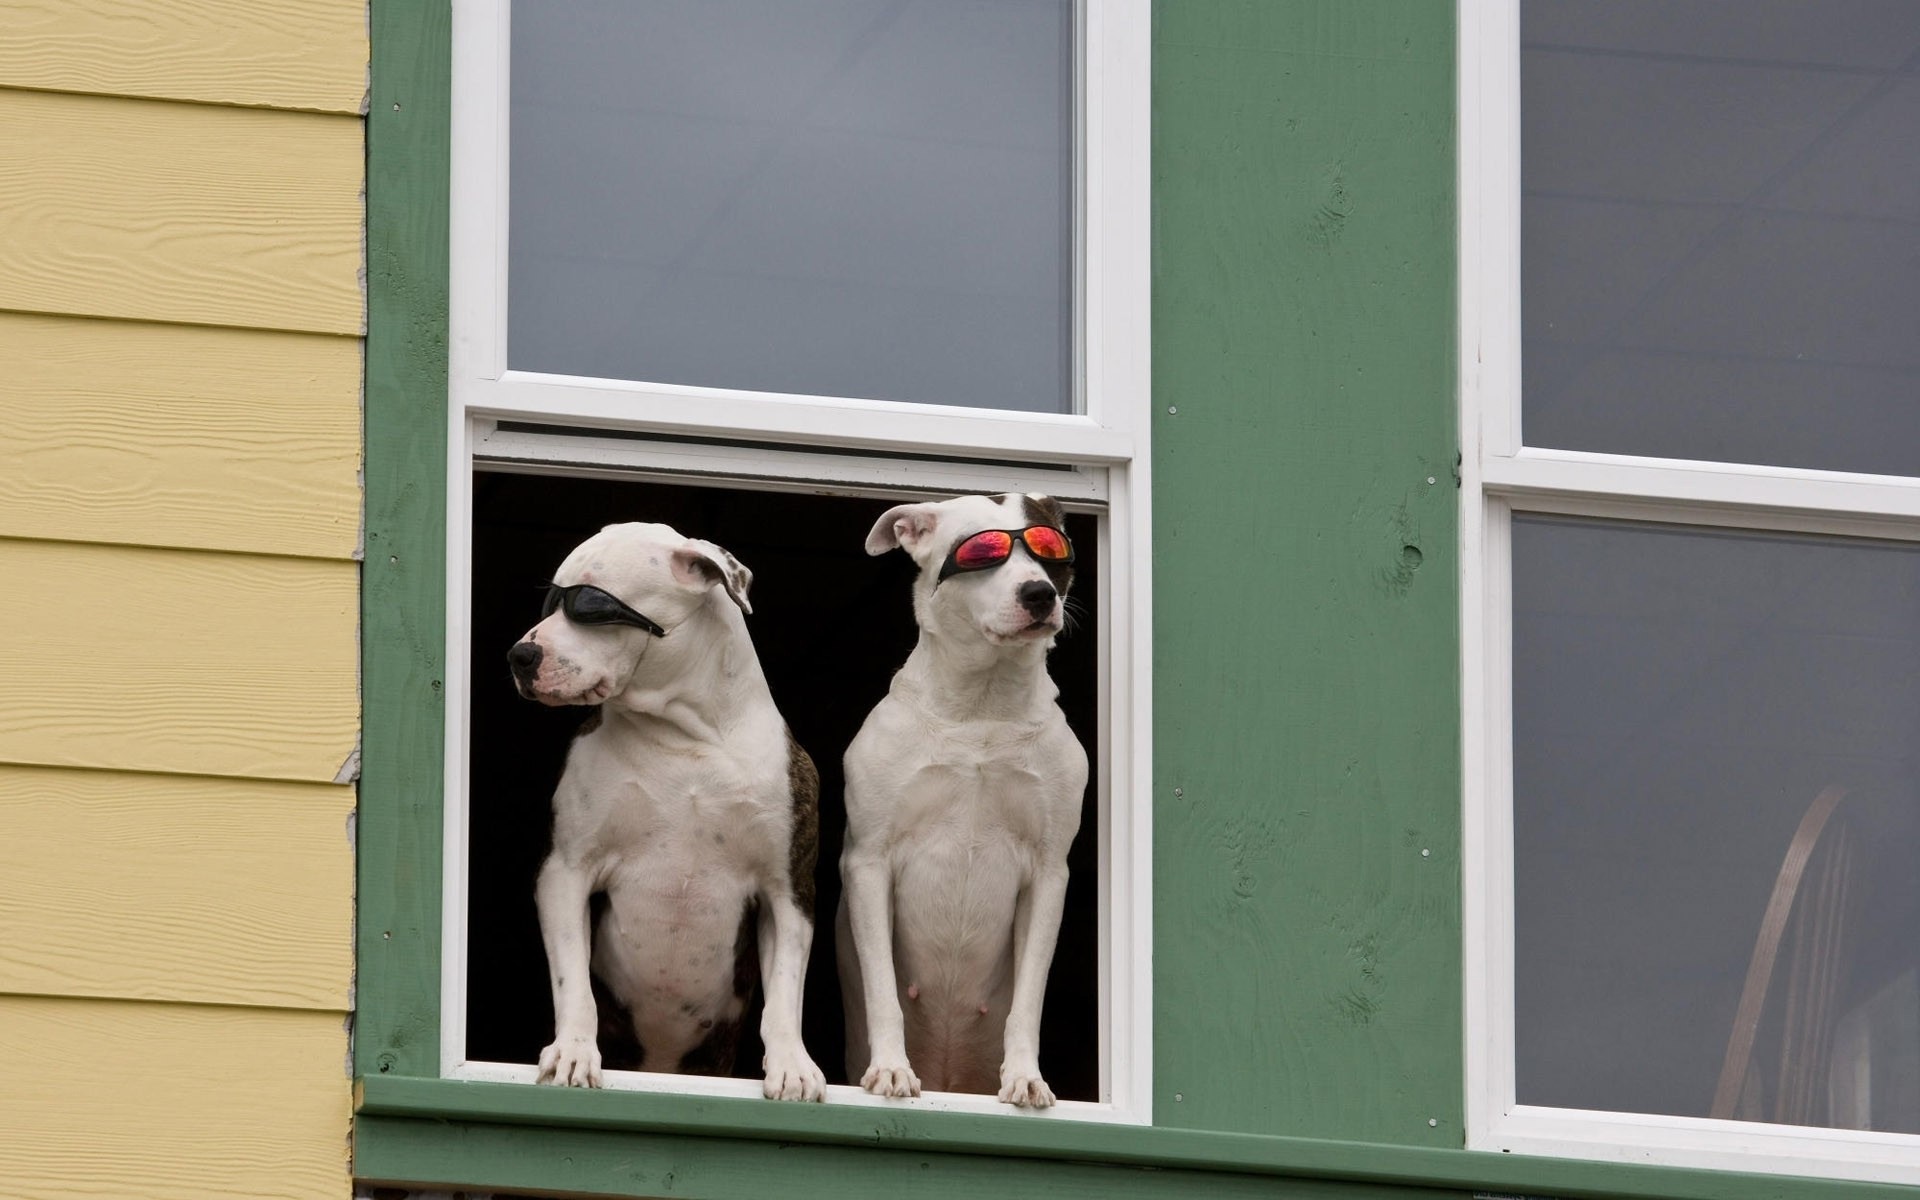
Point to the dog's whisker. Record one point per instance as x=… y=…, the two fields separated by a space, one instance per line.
x=1073 y=614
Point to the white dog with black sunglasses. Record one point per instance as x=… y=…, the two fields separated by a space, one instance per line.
x=963 y=794
x=686 y=802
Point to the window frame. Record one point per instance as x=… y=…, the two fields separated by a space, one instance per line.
x=1501 y=475
x=767 y=443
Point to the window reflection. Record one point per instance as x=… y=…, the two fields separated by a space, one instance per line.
x=865 y=198
x=1685 y=701
x=1721 y=230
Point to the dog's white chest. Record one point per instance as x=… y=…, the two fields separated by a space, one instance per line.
x=620 y=805
x=986 y=782
x=975 y=813
x=966 y=843
x=679 y=844
x=973 y=798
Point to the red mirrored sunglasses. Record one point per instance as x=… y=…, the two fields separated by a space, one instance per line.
x=991 y=547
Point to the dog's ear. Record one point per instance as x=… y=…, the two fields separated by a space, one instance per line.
x=903 y=525
x=1041 y=509
x=701 y=564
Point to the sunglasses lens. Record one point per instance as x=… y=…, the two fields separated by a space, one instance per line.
x=982 y=550
x=591 y=606
x=1047 y=542
x=551 y=602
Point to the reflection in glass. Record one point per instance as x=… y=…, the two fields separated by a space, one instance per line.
x=867 y=198
x=1695 y=712
x=1721 y=230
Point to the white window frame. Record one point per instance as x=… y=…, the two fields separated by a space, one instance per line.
x=1499 y=476
x=1095 y=460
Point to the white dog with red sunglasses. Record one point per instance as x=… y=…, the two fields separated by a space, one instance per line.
x=963 y=793
x=686 y=802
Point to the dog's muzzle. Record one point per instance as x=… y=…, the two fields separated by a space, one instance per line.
x=1037 y=597
x=524 y=659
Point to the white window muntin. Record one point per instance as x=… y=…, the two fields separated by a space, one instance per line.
x=1500 y=476
x=1096 y=460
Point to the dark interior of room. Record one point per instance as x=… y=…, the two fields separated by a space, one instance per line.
x=831 y=625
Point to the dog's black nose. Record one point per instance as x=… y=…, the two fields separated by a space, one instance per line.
x=1036 y=596
x=525 y=658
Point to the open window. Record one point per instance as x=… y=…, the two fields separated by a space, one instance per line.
x=1689 y=357
x=759 y=271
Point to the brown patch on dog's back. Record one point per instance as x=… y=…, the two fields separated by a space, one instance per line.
x=1045 y=510
x=803 y=849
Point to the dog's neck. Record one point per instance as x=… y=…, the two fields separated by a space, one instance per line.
x=966 y=679
x=697 y=685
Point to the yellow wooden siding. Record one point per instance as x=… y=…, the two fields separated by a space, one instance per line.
x=270 y=53
x=180 y=212
x=179 y=436
x=180 y=311
x=177 y=661
x=109 y=1098
x=155 y=887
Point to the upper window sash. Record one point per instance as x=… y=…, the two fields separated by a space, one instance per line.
x=1494 y=444
x=1111 y=273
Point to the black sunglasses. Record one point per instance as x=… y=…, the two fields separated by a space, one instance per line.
x=588 y=605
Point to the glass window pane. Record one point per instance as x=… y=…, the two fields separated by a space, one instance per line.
x=1721 y=230
x=1682 y=700
x=866 y=198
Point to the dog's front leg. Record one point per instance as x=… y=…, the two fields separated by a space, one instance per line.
x=869 y=884
x=573 y=1059
x=786 y=938
x=1036 y=926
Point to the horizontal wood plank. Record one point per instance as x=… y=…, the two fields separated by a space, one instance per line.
x=618 y=1143
x=309 y=54
x=180 y=212
x=177 y=661
x=645 y=1163
x=171 y=1102
x=184 y=888
x=179 y=435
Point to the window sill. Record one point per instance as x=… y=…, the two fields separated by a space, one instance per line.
x=413 y=1130
x=839 y=1095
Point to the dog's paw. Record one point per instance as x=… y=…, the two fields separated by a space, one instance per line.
x=571 y=1062
x=791 y=1075
x=897 y=1080
x=1024 y=1088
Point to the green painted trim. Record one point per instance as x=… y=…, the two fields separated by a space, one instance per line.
x=1306 y=646
x=403 y=583
x=595 y=1162
x=408 y=1139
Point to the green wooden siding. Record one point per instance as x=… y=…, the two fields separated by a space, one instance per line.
x=403 y=611
x=659 y=1164
x=642 y=1144
x=1306 y=650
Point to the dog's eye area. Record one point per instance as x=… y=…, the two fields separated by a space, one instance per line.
x=983 y=549
x=1046 y=542
x=590 y=604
